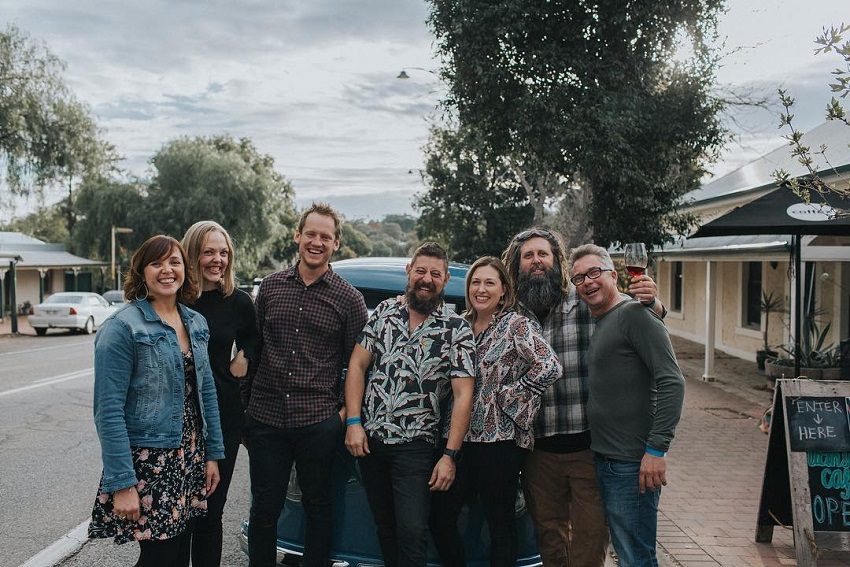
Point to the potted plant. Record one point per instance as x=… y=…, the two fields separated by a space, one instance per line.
x=818 y=360
x=769 y=303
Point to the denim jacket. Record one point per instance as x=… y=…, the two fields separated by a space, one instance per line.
x=139 y=385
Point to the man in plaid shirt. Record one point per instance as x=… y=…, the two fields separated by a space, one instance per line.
x=309 y=319
x=559 y=476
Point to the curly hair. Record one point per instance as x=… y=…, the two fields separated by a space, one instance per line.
x=511 y=255
x=156 y=248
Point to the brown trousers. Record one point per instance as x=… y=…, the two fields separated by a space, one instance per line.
x=566 y=506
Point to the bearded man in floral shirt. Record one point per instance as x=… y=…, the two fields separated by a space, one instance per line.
x=418 y=353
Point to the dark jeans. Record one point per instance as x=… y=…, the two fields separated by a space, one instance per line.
x=632 y=516
x=207 y=533
x=272 y=452
x=492 y=471
x=395 y=478
x=172 y=552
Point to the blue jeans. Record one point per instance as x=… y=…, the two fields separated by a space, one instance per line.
x=395 y=478
x=272 y=452
x=632 y=516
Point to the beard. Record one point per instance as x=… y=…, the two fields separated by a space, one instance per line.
x=424 y=306
x=540 y=293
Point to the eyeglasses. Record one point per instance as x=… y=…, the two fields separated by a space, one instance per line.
x=532 y=233
x=592 y=273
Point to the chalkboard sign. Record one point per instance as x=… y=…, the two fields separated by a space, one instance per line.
x=829 y=485
x=818 y=424
x=806 y=480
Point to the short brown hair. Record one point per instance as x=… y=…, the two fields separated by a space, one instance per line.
x=432 y=250
x=156 y=248
x=510 y=257
x=193 y=243
x=321 y=209
x=509 y=299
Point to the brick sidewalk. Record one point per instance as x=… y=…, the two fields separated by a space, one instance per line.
x=715 y=467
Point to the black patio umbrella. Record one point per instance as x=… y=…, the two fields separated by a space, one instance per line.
x=782 y=212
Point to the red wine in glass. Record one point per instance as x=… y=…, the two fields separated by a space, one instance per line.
x=635 y=258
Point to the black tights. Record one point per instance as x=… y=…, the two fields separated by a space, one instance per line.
x=173 y=552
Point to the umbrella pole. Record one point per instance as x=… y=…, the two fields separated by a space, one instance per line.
x=798 y=305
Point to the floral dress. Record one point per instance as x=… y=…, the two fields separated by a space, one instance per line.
x=171 y=482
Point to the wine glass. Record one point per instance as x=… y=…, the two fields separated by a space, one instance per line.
x=635 y=258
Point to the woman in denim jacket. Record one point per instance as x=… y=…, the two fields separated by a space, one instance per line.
x=156 y=411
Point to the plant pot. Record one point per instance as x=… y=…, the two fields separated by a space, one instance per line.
x=830 y=373
x=762 y=356
x=811 y=373
x=774 y=371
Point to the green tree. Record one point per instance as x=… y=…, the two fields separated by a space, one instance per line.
x=45 y=223
x=45 y=133
x=103 y=203
x=229 y=181
x=353 y=243
x=579 y=97
x=473 y=204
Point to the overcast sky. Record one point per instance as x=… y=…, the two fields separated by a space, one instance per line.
x=313 y=83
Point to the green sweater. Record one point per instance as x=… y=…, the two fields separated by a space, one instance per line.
x=635 y=386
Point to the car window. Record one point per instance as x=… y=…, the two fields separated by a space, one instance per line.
x=92 y=300
x=63 y=298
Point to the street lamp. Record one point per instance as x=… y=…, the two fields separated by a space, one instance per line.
x=116 y=230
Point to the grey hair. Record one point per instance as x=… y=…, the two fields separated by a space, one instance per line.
x=591 y=250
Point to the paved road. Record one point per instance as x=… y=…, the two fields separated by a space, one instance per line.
x=50 y=459
x=50 y=465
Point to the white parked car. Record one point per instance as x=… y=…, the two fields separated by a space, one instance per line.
x=80 y=310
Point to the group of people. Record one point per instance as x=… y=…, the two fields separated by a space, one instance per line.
x=435 y=405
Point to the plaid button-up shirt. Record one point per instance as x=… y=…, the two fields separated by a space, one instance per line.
x=307 y=333
x=568 y=329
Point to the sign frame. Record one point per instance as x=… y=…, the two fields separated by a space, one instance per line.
x=786 y=496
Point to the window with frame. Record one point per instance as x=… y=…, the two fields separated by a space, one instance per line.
x=676 y=271
x=751 y=297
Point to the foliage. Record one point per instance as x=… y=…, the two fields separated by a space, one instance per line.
x=812 y=186
x=769 y=303
x=45 y=133
x=473 y=205
x=586 y=96
x=814 y=351
x=395 y=235
x=353 y=243
x=46 y=224
x=103 y=203
x=227 y=180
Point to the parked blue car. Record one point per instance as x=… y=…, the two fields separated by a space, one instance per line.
x=355 y=541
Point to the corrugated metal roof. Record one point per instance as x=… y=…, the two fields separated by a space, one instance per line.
x=38 y=254
x=758 y=174
x=54 y=259
x=728 y=245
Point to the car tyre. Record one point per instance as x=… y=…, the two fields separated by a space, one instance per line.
x=89 y=328
x=40 y=331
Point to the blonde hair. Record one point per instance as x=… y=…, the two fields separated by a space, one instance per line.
x=193 y=242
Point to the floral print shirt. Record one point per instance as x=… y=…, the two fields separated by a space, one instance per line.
x=410 y=374
x=515 y=366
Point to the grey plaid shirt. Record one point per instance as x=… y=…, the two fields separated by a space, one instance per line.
x=568 y=329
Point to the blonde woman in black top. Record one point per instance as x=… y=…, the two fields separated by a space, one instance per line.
x=233 y=337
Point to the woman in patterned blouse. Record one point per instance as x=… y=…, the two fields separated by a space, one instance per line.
x=515 y=365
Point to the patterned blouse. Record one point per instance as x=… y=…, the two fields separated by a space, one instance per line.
x=515 y=366
x=410 y=372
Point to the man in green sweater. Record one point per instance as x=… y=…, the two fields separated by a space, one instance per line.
x=635 y=399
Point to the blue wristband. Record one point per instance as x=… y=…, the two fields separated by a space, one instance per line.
x=654 y=452
x=353 y=421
